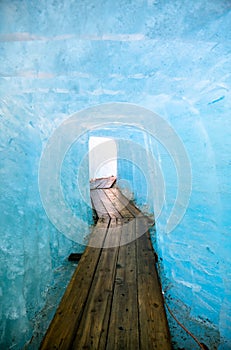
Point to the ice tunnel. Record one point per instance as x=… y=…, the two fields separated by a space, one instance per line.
x=152 y=76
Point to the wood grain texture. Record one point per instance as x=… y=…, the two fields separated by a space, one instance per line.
x=124 y=323
x=124 y=212
x=102 y=183
x=114 y=298
x=63 y=327
x=154 y=333
x=92 y=331
x=130 y=206
x=111 y=209
x=98 y=205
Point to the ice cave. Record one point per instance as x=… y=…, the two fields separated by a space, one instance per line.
x=138 y=89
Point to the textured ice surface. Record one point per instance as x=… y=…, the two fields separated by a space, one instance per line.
x=172 y=57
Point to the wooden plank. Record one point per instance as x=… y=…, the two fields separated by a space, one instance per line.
x=92 y=331
x=123 y=328
x=114 y=299
x=63 y=327
x=130 y=206
x=107 y=182
x=110 y=182
x=95 y=183
x=112 y=211
x=154 y=332
x=92 y=186
x=98 y=204
x=124 y=212
x=102 y=183
x=129 y=234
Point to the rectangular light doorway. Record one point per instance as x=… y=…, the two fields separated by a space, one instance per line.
x=102 y=157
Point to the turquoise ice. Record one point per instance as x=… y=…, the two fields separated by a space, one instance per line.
x=171 y=57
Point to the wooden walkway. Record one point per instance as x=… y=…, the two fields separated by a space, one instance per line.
x=114 y=299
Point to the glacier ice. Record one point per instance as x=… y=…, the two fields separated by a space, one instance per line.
x=171 y=57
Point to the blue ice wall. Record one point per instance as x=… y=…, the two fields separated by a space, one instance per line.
x=169 y=56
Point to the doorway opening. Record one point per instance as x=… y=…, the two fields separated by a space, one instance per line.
x=102 y=157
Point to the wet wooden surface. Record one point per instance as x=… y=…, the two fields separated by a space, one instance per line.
x=114 y=299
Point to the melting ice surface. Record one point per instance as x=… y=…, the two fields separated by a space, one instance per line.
x=170 y=57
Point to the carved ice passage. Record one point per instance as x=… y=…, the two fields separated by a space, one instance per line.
x=154 y=75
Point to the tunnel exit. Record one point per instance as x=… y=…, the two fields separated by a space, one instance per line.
x=102 y=157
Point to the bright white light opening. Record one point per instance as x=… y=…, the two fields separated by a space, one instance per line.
x=102 y=157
